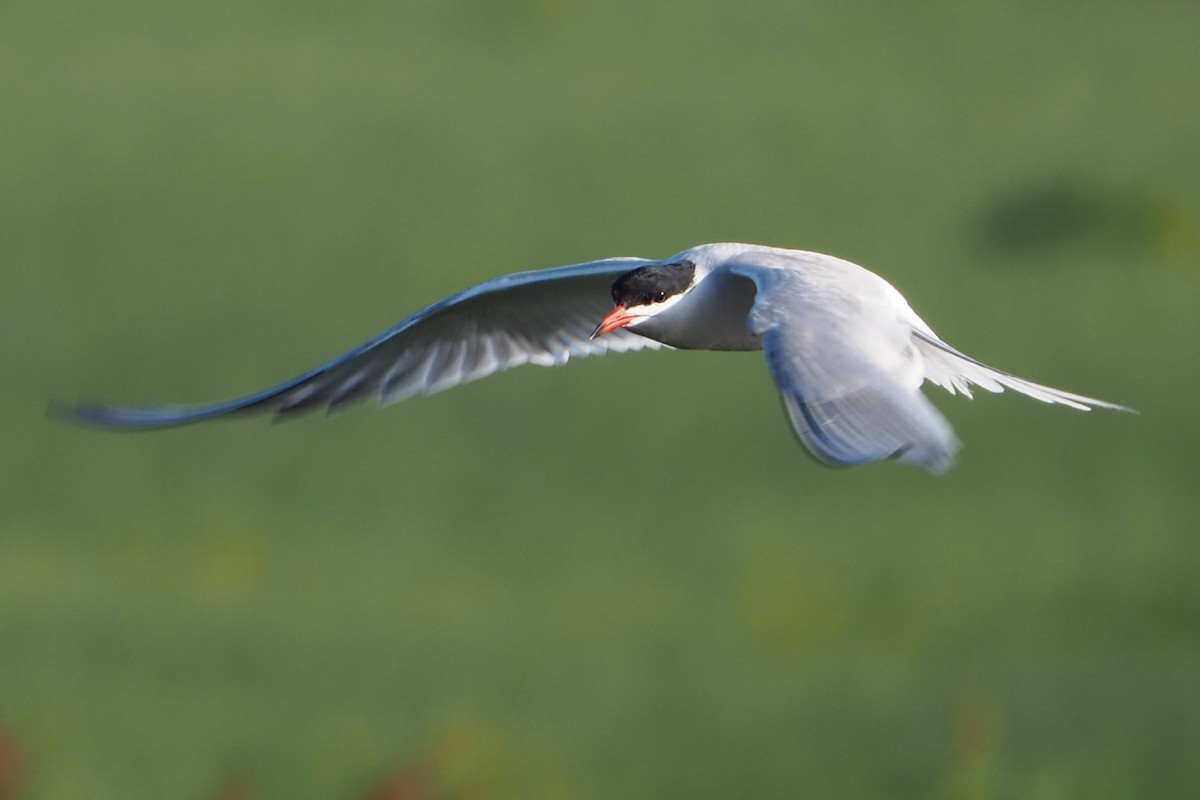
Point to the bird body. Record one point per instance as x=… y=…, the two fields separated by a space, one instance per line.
x=846 y=351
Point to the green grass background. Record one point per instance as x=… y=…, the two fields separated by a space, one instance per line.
x=624 y=578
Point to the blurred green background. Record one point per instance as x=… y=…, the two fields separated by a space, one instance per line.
x=624 y=578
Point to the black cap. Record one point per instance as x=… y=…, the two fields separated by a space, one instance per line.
x=653 y=284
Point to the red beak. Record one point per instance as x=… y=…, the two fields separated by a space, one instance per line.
x=617 y=318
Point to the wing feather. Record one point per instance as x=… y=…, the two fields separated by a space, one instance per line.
x=836 y=354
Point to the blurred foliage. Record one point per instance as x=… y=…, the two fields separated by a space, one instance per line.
x=622 y=579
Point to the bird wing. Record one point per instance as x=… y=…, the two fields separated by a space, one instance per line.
x=541 y=317
x=843 y=362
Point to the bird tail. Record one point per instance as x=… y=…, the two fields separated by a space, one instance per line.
x=956 y=372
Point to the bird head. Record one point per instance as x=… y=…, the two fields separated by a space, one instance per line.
x=645 y=292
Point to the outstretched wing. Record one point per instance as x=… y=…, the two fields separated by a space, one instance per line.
x=542 y=317
x=844 y=365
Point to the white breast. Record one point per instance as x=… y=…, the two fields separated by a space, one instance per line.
x=712 y=316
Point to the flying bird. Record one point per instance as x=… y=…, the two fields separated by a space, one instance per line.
x=846 y=352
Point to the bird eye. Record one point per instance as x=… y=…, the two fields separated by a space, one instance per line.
x=660 y=296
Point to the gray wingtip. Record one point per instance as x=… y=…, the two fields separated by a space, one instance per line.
x=122 y=418
x=105 y=417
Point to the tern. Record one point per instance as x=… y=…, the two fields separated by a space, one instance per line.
x=844 y=348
